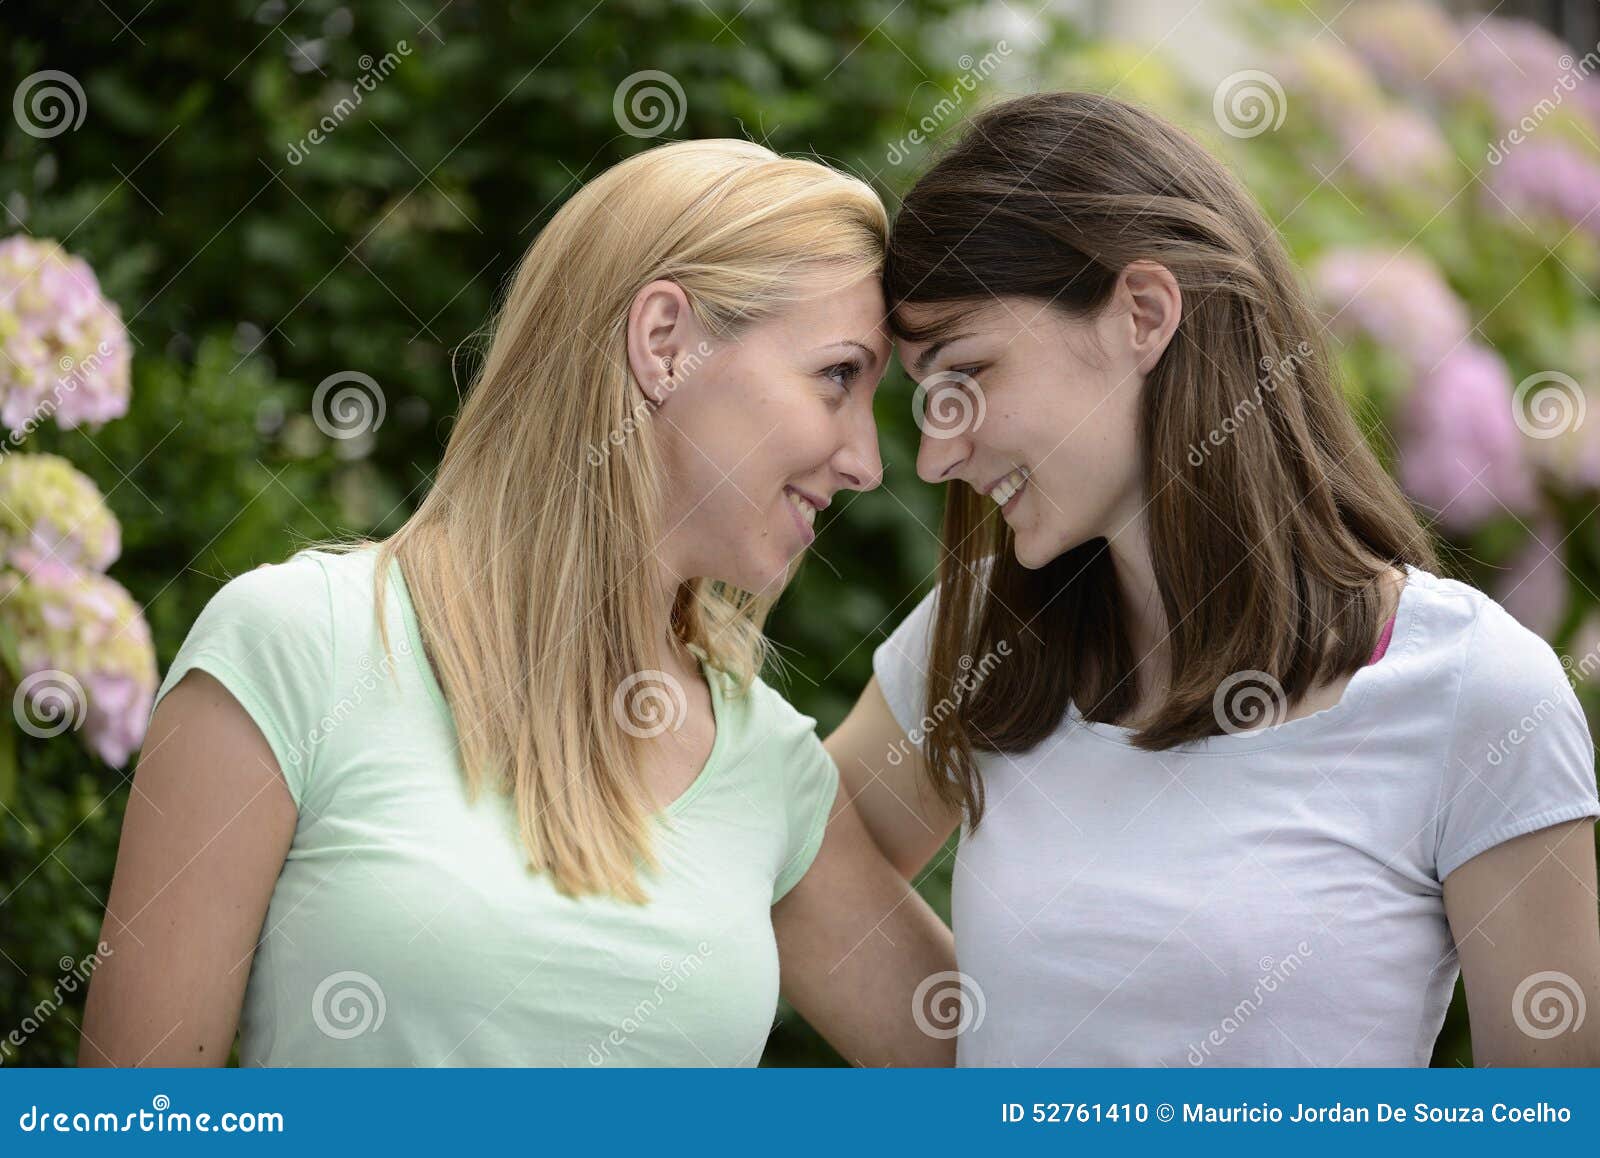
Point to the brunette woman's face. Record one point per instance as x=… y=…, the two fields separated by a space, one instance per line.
x=1038 y=411
x=760 y=433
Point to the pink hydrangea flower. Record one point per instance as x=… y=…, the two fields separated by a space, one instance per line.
x=64 y=352
x=53 y=518
x=82 y=637
x=1399 y=299
x=1461 y=452
x=1547 y=177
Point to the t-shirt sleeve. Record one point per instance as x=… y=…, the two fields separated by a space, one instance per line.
x=813 y=784
x=901 y=665
x=267 y=636
x=1521 y=757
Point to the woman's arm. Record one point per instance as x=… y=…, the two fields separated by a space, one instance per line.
x=854 y=942
x=1527 y=907
x=208 y=825
x=887 y=781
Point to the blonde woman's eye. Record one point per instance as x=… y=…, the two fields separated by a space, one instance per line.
x=843 y=373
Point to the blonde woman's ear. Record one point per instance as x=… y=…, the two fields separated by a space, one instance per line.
x=660 y=325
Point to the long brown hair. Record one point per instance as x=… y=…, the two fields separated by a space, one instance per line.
x=1268 y=544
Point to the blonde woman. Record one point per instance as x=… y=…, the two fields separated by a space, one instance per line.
x=541 y=809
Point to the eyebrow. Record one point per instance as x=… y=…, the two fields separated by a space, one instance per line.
x=862 y=346
x=925 y=359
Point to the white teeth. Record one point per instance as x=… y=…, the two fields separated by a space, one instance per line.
x=1007 y=487
x=807 y=511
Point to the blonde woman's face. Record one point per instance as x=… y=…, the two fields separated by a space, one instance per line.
x=760 y=433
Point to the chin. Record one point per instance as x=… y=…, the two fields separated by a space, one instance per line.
x=1025 y=547
x=768 y=580
x=1033 y=551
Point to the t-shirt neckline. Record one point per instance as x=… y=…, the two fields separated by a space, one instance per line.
x=1290 y=731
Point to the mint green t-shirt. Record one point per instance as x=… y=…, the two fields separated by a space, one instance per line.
x=405 y=928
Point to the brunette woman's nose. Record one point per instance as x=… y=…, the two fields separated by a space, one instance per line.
x=938 y=459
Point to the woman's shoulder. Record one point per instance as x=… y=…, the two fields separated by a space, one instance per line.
x=267 y=608
x=278 y=623
x=1496 y=662
x=267 y=635
x=764 y=713
x=1518 y=755
x=766 y=733
x=293 y=582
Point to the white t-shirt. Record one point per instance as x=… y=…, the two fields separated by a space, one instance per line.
x=1259 y=899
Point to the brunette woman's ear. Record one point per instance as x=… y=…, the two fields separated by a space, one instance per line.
x=1155 y=306
x=659 y=326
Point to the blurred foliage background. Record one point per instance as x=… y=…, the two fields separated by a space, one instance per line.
x=251 y=262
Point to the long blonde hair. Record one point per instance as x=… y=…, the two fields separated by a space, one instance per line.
x=530 y=562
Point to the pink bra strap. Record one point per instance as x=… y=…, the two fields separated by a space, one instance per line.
x=1383 y=642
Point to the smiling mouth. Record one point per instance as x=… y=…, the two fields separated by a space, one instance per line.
x=1003 y=491
x=802 y=506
